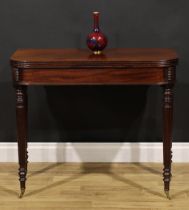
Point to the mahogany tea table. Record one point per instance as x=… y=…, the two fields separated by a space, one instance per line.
x=78 y=67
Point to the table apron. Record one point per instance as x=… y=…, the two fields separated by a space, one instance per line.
x=143 y=76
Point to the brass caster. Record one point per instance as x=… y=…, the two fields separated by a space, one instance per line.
x=22 y=193
x=167 y=194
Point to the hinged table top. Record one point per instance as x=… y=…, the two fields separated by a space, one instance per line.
x=82 y=58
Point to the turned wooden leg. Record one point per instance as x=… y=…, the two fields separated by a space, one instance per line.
x=21 y=114
x=167 y=136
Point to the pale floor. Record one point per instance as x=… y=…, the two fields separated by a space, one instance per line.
x=94 y=187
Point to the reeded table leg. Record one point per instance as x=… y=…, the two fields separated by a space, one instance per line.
x=167 y=136
x=21 y=112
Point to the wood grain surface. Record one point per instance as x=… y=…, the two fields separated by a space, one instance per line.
x=94 y=186
x=82 y=58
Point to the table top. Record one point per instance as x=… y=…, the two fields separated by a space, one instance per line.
x=78 y=58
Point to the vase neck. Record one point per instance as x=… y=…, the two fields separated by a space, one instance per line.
x=96 y=21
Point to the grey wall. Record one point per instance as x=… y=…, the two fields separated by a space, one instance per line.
x=94 y=113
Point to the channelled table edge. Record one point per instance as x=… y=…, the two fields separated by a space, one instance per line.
x=92 y=64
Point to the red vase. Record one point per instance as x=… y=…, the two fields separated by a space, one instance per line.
x=96 y=41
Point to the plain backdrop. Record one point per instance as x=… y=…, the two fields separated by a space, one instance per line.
x=89 y=113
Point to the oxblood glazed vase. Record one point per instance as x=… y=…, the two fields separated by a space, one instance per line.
x=96 y=41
